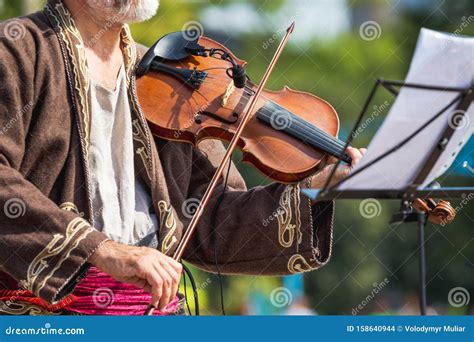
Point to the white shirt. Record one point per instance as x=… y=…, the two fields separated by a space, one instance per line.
x=121 y=202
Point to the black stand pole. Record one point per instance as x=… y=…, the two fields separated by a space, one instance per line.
x=422 y=262
x=408 y=214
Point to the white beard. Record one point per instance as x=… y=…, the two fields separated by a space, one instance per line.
x=124 y=11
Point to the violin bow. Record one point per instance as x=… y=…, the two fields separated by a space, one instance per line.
x=227 y=157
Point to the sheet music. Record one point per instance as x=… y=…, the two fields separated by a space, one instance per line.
x=439 y=59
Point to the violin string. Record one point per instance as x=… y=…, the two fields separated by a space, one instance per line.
x=315 y=129
x=302 y=127
x=308 y=128
x=246 y=97
x=313 y=137
x=310 y=133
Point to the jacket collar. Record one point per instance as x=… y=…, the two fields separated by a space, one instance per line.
x=74 y=49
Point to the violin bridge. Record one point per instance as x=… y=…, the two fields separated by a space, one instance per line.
x=230 y=89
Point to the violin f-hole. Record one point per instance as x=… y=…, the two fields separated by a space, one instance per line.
x=198 y=117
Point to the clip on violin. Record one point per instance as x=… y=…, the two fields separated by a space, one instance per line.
x=432 y=141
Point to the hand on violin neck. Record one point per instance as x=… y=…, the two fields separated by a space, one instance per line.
x=319 y=179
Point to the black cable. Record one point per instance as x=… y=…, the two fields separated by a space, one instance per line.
x=195 y=292
x=186 y=293
x=214 y=234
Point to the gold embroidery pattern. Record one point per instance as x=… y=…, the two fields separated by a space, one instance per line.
x=298 y=264
x=167 y=221
x=139 y=135
x=129 y=51
x=53 y=248
x=69 y=206
x=76 y=50
x=20 y=308
x=289 y=216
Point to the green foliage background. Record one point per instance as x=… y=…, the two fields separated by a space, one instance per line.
x=342 y=71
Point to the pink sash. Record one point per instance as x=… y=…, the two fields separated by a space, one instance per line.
x=100 y=294
x=96 y=294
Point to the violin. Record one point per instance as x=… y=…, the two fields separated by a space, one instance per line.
x=195 y=89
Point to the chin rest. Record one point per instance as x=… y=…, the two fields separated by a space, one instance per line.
x=174 y=46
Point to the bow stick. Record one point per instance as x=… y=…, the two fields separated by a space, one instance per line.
x=227 y=157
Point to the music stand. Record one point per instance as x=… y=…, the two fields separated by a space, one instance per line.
x=446 y=55
x=406 y=213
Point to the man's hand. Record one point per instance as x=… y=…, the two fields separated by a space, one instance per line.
x=141 y=266
x=342 y=171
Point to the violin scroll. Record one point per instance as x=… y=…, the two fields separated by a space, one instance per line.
x=437 y=212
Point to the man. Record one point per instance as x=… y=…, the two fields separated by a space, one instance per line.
x=92 y=202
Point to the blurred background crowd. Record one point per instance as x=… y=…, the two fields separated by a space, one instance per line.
x=339 y=49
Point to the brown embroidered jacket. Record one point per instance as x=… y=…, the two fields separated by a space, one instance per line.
x=46 y=216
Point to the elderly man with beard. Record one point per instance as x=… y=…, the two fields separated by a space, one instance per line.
x=93 y=204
